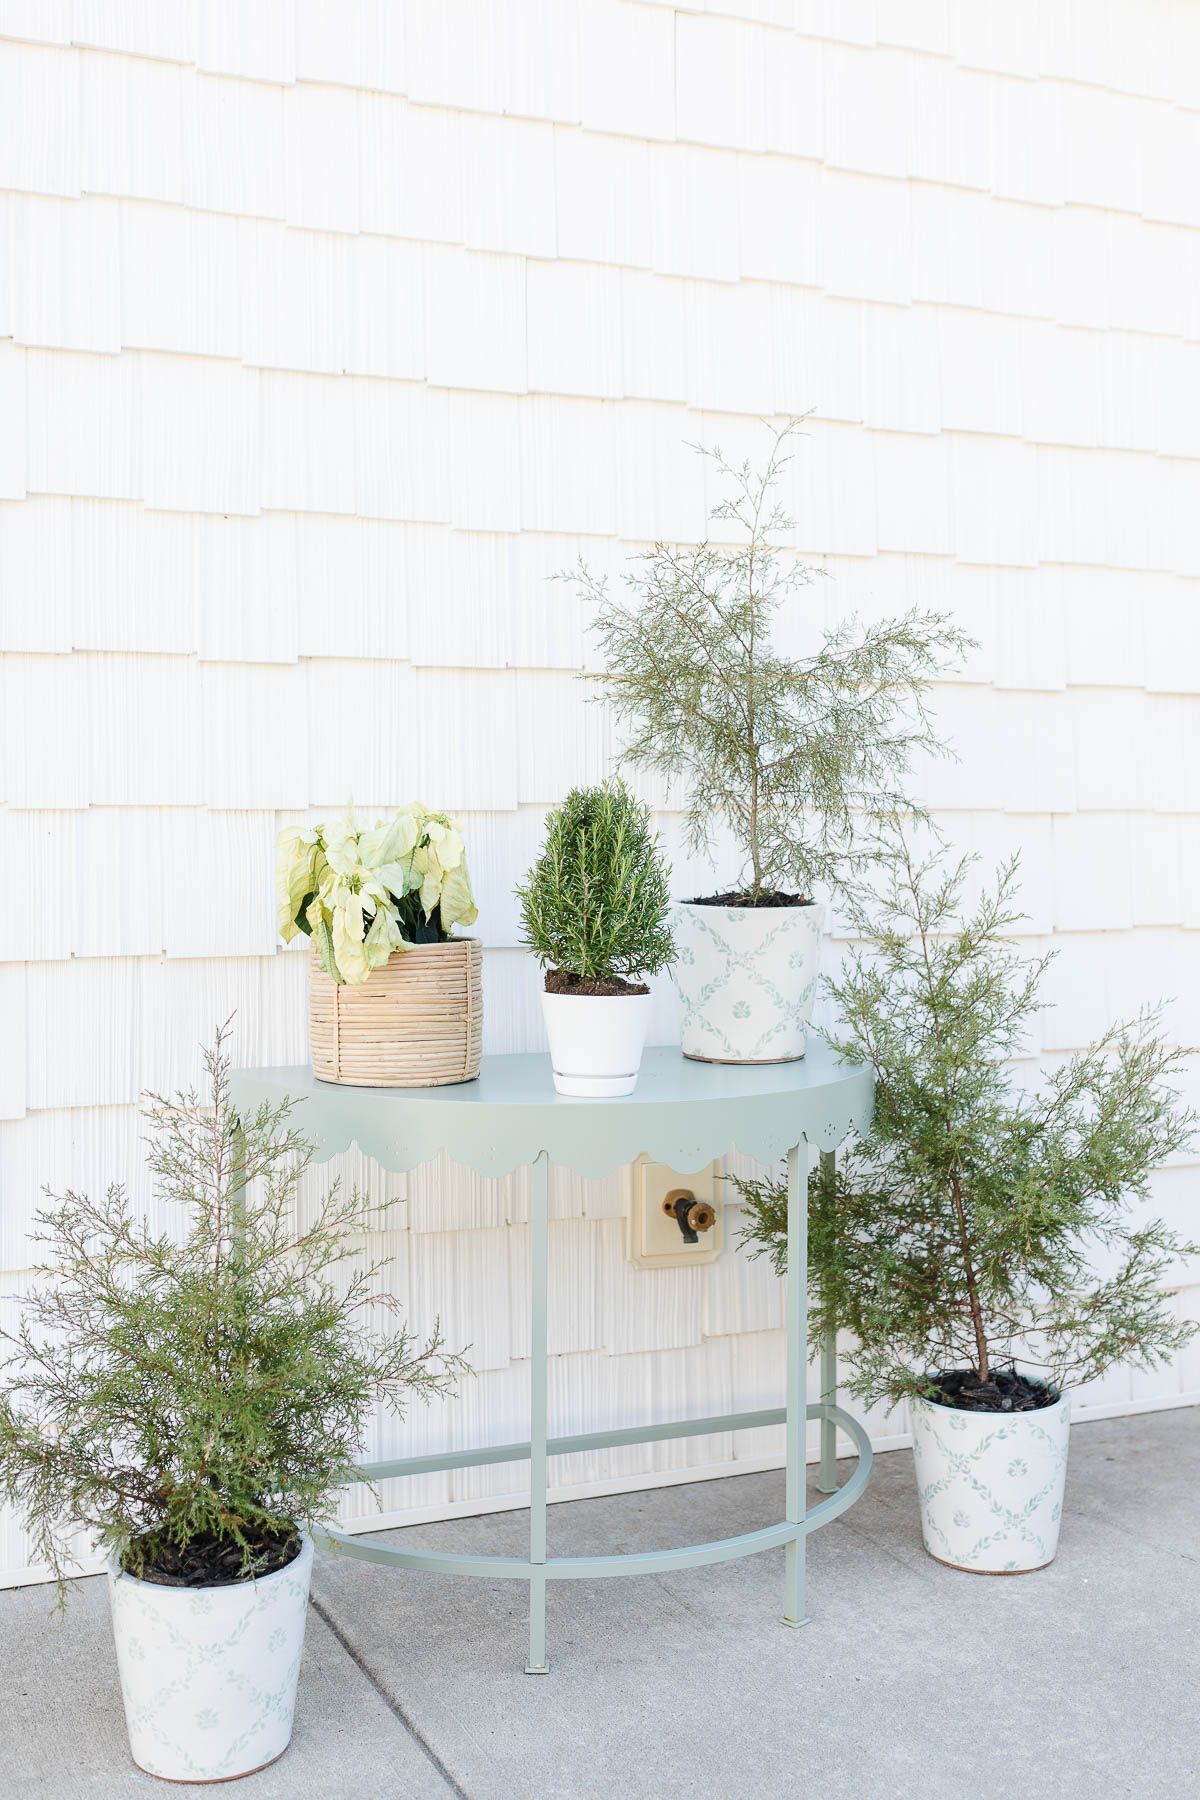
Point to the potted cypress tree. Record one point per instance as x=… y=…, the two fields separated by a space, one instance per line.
x=191 y=1400
x=788 y=753
x=595 y=909
x=977 y=1242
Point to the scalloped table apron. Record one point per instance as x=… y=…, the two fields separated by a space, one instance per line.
x=683 y=1114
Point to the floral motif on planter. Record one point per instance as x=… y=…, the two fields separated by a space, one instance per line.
x=991 y=1484
x=209 y=1675
x=746 y=978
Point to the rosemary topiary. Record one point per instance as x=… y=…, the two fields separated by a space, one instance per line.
x=191 y=1398
x=789 y=752
x=979 y=1225
x=595 y=904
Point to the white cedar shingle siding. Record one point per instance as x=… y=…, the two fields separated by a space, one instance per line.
x=329 y=333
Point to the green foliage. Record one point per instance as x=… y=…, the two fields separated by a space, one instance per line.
x=977 y=1223
x=788 y=752
x=211 y=1383
x=596 y=902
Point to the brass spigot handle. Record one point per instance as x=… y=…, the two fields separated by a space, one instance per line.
x=693 y=1215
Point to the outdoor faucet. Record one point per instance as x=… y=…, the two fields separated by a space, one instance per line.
x=691 y=1215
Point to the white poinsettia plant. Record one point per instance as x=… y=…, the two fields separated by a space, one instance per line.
x=361 y=893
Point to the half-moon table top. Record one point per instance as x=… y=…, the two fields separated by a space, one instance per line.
x=682 y=1113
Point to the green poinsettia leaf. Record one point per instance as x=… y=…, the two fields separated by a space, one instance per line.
x=301 y=919
x=322 y=939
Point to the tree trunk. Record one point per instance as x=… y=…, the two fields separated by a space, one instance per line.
x=964 y=1239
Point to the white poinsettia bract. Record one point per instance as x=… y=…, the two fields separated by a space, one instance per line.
x=362 y=894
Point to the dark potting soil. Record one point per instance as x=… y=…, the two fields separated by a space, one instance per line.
x=212 y=1561
x=733 y=899
x=1005 y=1392
x=558 y=981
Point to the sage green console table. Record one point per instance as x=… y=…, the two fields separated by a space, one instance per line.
x=682 y=1114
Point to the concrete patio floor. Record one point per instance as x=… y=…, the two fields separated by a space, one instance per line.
x=911 y=1680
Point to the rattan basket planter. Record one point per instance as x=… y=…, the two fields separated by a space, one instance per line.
x=416 y=1022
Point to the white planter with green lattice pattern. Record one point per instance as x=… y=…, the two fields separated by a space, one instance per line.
x=991 y=1484
x=746 y=979
x=209 y=1674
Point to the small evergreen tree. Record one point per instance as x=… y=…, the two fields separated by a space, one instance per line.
x=190 y=1400
x=976 y=1224
x=789 y=752
x=595 y=904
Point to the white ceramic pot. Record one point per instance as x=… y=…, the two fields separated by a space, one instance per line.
x=209 y=1674
x=991 y=1484
x=746 y=979
x=596 y=1041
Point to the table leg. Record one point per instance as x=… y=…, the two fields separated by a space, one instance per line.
x=794 y=1605
x=827 y=1481
x=539 y=1241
